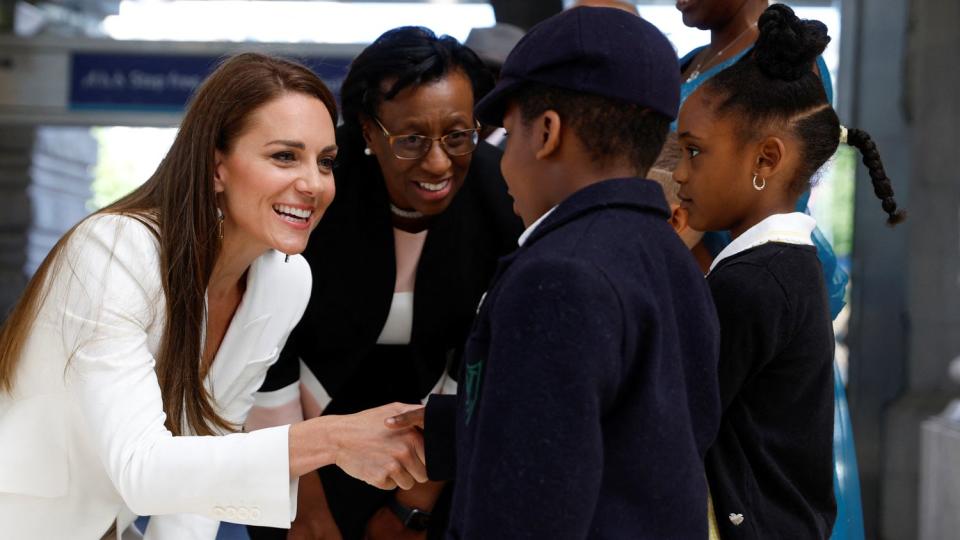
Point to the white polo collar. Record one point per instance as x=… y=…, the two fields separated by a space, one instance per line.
x=526 y=234
x=792 y=228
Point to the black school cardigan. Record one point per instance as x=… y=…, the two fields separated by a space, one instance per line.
x=771 y=467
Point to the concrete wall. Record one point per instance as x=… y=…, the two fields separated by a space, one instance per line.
x=45 y=178
x=932 y=97
x=902 y=85
x=16 y=147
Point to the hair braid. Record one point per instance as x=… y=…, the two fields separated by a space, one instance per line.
x=882 y=187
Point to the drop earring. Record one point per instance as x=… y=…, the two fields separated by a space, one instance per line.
x=219 y=224
x=761 y=185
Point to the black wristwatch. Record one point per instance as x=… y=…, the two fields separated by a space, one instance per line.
x=412 y=518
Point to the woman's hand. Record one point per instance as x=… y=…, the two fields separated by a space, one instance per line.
x=362 y=446
x=383 y=457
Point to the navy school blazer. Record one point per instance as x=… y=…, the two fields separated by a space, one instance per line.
x=589 y=391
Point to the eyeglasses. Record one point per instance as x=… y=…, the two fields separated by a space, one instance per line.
x=456 y=143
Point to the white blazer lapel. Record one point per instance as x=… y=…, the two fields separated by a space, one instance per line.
x=246 y=341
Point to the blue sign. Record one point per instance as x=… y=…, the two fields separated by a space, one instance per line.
x=160 y=82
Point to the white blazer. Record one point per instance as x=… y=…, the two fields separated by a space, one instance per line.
x=82 y=442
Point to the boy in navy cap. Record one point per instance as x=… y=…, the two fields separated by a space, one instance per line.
x=589 y=391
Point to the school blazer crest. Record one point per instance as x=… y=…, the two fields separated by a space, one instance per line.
x=82 y=437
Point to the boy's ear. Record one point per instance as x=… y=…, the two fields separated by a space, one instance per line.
x=771 y=157
x=678 y=218
x=547 y=130
x=680 y=221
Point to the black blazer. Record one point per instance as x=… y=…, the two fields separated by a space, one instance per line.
x=590 y=389
x=352 y=259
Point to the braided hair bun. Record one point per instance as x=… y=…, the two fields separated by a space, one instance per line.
x=788 y=46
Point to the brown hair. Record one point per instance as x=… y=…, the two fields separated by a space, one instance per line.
x=179 y=204
x=662 y=169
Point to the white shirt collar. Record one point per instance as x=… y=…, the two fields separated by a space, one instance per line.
x=526 y=234
x=792 y=228
x=496 y=137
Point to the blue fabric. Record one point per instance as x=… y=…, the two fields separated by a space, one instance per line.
x=227 y=531
x=688 y=87
x=846 y=478
x=849 y=524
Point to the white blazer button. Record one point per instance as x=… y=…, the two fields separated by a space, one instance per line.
x=218 y=511
x=243 y=513
x=254 y=513
x=231 y=512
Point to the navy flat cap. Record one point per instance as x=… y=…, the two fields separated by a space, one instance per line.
x=601 y=51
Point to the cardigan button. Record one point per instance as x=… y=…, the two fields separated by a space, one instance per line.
x=218 y=511
x=254 y=513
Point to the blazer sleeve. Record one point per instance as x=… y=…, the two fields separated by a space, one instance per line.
x=439 y=436
x=110 y=291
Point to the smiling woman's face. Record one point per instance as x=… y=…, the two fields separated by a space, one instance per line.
x=276 y=179
x=434 y=109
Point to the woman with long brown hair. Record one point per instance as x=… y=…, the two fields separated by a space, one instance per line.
x=151 y=323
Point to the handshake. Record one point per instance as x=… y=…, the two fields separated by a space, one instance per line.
x=382 y=447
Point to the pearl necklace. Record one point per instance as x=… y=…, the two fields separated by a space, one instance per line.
x=405 y=214
x=706 y=61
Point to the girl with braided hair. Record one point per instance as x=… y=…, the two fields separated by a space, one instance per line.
x=753 y=138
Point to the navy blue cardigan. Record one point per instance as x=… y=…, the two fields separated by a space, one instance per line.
x=772 y=462
x=589 y=394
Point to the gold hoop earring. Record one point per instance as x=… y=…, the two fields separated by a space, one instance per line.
x=219 y=224
x=761 y=185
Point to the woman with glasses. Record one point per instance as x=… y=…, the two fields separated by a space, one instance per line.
x=400 y=262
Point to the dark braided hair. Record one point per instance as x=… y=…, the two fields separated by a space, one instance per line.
x=882 y=187
x=405 y=56
x=775 y=85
